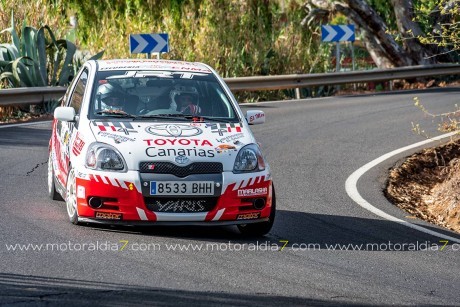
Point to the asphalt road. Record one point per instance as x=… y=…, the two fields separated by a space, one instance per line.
x=312 y=147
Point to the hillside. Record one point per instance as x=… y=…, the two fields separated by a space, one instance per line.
x=426 y=185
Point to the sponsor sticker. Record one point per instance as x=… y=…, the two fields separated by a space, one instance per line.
x=154 y=152
x=248 y=216
x=224 y=128
x=225 y=148
x=117 y=138
x=162 y=66
x=82 y=175
x=66 y=137
x=180 y=142
x=78 y=145
x=231 y=138
x=188 y=205
x=124 y=127
x=81 y=193
x=252 y=192
x=252 y=118
x=108 y=216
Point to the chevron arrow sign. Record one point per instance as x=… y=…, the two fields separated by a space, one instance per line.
x=338 y=33
x=148 y=43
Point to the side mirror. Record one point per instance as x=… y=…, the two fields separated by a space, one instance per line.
x=255 y=117
x=65 y=114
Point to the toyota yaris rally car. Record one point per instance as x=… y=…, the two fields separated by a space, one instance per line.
x=142 y=142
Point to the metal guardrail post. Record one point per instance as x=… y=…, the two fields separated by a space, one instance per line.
x=297 y=93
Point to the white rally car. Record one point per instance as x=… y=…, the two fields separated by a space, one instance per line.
x=143 y=142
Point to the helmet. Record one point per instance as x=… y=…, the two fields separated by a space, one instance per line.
x=184 y=97
x=111 y=96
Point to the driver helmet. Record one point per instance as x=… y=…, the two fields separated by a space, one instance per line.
x=185 y=99
x=111 y=96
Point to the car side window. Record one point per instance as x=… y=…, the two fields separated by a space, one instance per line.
x=77 y=96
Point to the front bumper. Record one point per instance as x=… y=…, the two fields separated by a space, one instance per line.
x=176 y=223
x=126 y=199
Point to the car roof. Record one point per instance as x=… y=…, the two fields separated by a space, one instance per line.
x=147 y=64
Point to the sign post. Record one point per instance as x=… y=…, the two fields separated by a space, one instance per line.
x=353 y=61
x=337 y=56
x=149 y=43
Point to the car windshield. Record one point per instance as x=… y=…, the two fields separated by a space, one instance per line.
x=151 y=95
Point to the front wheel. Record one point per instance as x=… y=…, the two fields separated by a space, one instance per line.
x=260 y=229
x=52 y=192
x=71 y=197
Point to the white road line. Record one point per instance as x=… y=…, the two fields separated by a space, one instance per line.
x=352 y=190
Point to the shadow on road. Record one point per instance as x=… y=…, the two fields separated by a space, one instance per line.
x=316 y=231
x=33 y=290
x=25 y=136
x=368 y=234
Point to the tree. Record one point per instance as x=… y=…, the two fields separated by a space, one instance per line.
x=379 y=39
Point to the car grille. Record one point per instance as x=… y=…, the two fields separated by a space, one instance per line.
x=181 y=171
x=180 y=205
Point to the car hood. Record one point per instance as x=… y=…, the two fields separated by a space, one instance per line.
x=179 y=143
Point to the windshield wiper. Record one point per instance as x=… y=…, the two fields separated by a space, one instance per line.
x=196 y=118
x=163 y=116
x=200 y=118
x=116 y=113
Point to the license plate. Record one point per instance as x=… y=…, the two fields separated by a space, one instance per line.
x=181 y=188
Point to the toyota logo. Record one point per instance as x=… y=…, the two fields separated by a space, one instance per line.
x=175 y=130
x=182 y=159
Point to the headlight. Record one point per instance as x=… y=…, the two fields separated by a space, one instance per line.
x=249 y=159
x=104 y=157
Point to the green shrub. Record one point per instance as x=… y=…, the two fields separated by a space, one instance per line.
x=36 y=58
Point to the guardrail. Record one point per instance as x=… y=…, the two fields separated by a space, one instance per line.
x=297 y=81
x=37 y=95
x=30 y=95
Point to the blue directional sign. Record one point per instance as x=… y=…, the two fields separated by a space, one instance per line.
x=338 y=33
x=148 y=43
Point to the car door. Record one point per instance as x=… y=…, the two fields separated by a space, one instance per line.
x=66 y=132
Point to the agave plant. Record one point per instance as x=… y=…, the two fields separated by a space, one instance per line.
x=37 y=58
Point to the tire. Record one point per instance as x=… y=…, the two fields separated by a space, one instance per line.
x=52 y=192
x=260 y=229
x=71 y=197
